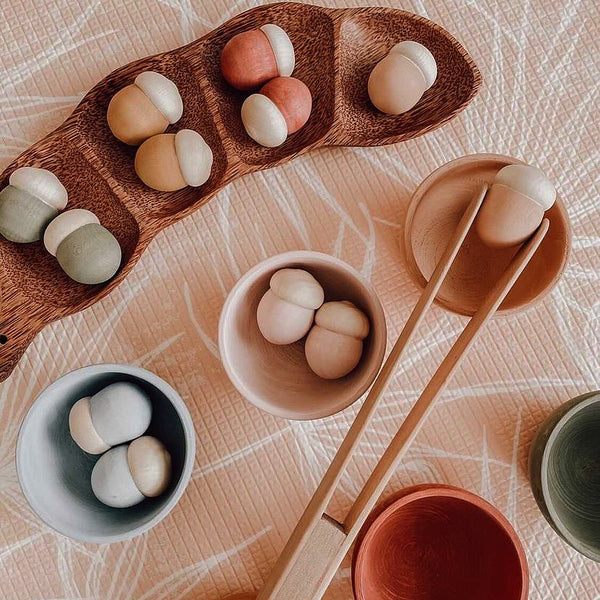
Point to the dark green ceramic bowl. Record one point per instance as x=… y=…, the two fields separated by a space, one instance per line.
x=564 y=470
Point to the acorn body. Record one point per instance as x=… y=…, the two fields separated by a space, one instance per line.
x=126 y=474
x=144 y=108
x=334 y=345
x=514 y=205
x=286 y=311
x=399 y=80
x=28 y=203
x=169 y=162
x=118 y=413
x=86 y=251
x=280 y=108
x=254 y=57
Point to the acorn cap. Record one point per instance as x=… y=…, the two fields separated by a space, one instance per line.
x=194 y=156
x=82 y=428
x=163 y=93
x=343 y=317
x=298 y=287
x=282 y=47
x=421 y=56
x=65 y=224
x=149 y=465
x=42 y=184
x=263 y=121
x=530 y=182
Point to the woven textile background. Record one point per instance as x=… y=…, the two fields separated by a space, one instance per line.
x=254 y=473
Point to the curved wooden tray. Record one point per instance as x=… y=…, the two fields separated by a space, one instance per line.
x=335 y=52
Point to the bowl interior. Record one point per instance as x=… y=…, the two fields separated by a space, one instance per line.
x=278 y=379
x=572 y=475
x=439 y=543
x=434 y=213
x=55 y=473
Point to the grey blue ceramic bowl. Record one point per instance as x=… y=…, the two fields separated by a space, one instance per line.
x=564 y=469
x=54 y=472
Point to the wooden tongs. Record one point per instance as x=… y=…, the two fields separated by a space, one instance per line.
x=319 y=543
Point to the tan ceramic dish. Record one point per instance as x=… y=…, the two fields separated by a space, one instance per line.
x=435 y=210
x=277 y=379
x=335 y=51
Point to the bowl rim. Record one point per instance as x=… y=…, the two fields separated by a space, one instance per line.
x=188 y=464
x=416 y=197
x=576 y=543
x=431 y=490
x=297 y=256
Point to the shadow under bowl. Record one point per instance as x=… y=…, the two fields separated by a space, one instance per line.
x=564 y=469
x=436 y=541
x=433 y=215
x=54 y=472
x=277 y=379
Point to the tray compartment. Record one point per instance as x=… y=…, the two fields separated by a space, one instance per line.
x=366 y=36
x=115 y=160
x=312 y=32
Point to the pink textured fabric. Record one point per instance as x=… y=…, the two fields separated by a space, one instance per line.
x=254 y=473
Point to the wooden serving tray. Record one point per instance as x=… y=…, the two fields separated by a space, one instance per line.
x=336 y=50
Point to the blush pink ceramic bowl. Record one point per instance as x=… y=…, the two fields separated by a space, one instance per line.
x=277 y=379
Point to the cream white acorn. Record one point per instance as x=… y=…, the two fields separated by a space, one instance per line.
x=400 y=79
x=117 y=413
x=32 y=198
x=514 y=205
x=334 y=345
x=286 y=311
x=144 y=108
x=170 y=162
x=126 y=474
x=86 y=251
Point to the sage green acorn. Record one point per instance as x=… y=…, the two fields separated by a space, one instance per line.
x=86 y=251
x=31 y=200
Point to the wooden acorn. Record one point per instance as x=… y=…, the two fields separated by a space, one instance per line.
x=118 y=413
x=126 y=474
x=281 y=107
x=286 y=311
x=252 y=58
x=86 y=251
x=399 y=80
x=335 y=343
x=144 y=108
x=514 y=206
x=170 y=162
x=32 y=198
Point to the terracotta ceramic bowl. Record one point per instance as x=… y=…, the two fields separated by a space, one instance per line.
x=277 y=379
x=564 y=468
x=54 y=472
x=434 y=212
x=435 y=542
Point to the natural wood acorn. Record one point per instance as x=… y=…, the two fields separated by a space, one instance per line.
x=399 y=81
x=127 y=474
x=280 y=108
x=514 y=206
x=252 y=58
x=286 y=311
x=170 y=162
x=144 y=108
x=32 y=198
x=86 y=251
x=335 y=343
